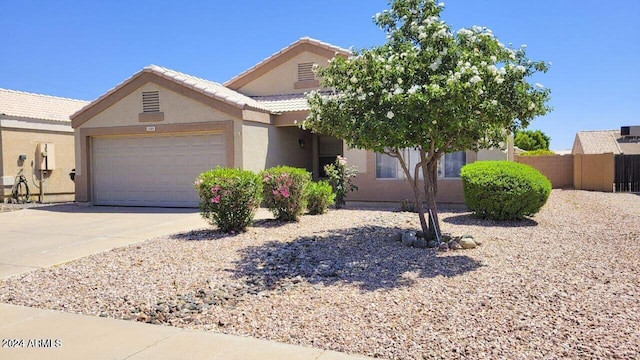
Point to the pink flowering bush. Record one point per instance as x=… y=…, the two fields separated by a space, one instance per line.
x=229 y=197
x=284 y=191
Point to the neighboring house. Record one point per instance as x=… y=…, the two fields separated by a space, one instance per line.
x=144 y=142
x=606 y=141
x=27 y=122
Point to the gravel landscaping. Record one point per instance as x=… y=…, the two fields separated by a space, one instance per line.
x=564 y=284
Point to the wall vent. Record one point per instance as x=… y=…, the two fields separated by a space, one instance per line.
x=305 y=72
x=150 y=101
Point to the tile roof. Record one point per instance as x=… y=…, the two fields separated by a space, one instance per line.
x=26 y=105
x=284 y=103
x=206 y=87
x=599 y=141
x=303 y=40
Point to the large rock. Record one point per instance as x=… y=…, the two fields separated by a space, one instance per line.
x=443 y=247
x=454 y=245
x=468 y=243
x=432 y=244
x=409 y=238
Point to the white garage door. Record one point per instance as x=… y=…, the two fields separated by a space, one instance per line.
x=154 y=170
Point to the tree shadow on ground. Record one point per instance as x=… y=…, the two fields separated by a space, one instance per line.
x=366 y=256
x=471 y=219
x=269 y=223
x=201 y=235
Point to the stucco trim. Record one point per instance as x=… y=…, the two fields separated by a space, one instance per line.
x=151 y=117
x=289 y=118
x=277 y=60
x=306 y=84
x=138 y=81
x=84 y=182
x=35 y=126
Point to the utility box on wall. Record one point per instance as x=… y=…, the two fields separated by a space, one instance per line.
x=45 y=156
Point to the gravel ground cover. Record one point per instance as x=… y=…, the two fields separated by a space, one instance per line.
x=563 y=284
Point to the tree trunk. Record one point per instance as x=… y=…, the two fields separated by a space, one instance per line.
x=430 y=191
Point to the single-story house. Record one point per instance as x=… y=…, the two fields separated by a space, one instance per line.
x=31 y=124
x=607 y=141
x=144 y=142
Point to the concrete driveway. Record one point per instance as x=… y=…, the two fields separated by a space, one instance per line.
x=50 y=235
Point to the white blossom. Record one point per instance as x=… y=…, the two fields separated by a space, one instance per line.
x=413 y=89
x=465 y=32
x=539 y=86
x=493 y=58
x=520 y=68
x=494 y=102
x=354 y=79
x=475 y=79
x=532 y=106
x=390 y=114
x=434 y=122
x=436 y=64
x=499 y=80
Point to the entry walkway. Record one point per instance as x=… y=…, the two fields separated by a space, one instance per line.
x=29 y=333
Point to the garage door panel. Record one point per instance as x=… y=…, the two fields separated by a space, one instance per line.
x=153 y=170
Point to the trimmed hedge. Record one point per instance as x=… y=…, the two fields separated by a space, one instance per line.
x=283 y=191
x=503 y=190
x=539 y=152
x=229 y=197
x=319 y=196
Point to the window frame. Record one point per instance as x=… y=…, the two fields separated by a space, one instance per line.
x=413 y=154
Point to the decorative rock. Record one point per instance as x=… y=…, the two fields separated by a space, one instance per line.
x=454 y=245
x=421 y=244
x=432 y=244
x=466 y=236
x=467 y=243
x=443 y=247
x=408 y=238
x=420 y=234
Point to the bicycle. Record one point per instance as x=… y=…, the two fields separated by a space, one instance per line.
x=20 y=190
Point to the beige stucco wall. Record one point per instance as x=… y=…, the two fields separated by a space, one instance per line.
x=16 y=142
x=281 y=79
x=356 y=158
x=177 y=109
x=265 y=146
x=492 y=154
x=395 y=190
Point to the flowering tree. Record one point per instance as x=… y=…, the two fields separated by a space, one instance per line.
x=430 y=89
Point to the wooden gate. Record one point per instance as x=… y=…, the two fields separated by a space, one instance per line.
x=627 y=173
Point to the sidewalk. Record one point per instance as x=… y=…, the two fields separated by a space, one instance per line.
x=30 y=333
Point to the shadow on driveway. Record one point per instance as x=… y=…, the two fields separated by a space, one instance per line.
x=98 y=209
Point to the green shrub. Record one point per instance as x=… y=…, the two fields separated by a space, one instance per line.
x=229 y=197
x=319 y=196
x=539 y=152
x=283 y=191
x=341 y=179
x=502 y=190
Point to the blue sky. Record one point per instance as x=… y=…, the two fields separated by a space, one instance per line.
x=81 y=49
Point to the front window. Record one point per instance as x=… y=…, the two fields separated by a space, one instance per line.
x=449 y=166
